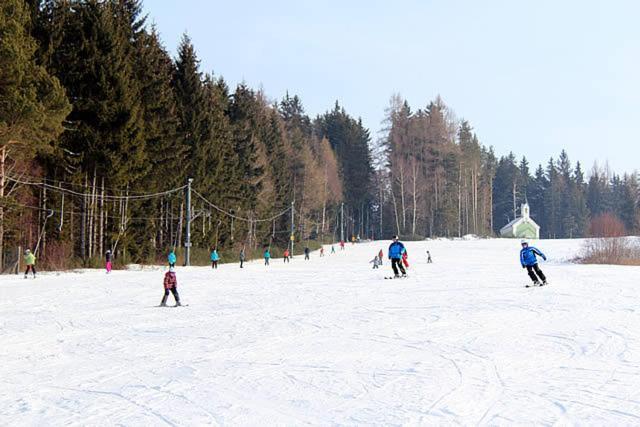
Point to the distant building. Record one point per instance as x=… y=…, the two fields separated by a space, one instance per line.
x=523 y=227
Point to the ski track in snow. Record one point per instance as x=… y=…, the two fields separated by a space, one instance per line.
x=328 y=342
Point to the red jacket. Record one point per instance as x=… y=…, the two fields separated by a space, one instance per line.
x=170 y=280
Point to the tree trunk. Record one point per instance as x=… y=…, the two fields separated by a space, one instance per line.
x=3 y=157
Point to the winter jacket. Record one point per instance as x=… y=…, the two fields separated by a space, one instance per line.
x=108 y=256
x=267 y=254
x=286 y=253
x=30 y=259
x=528 y=256
x=242 y=255
x=396 y=249
x=170 y=280
x=306 y=251
x=215 y=256
x=171 y=258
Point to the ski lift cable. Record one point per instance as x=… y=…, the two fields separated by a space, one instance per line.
x=249 y=220
x=106 y=197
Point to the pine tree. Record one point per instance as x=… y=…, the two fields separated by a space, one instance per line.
x=33 y=103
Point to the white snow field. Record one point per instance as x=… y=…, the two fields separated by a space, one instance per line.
x=328 y=342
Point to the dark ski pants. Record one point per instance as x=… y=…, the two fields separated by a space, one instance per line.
x=306 y=256
x=174 y=291
x=396 y=263
x=31 y=268
x=533 y=270
x=286 y=259
x=214 y=264
x=266 y=261
x=241 y=262
x=172 y=264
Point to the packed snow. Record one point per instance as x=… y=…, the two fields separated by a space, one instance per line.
x=328 y=341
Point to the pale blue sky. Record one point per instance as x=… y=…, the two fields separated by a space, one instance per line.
x=531 y=76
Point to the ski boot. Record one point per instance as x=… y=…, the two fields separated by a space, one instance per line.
x=163 y=303
x=178 y=304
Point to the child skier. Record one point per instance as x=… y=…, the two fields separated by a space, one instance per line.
x=322 y=251
x=285 y=255
x=267 y=256
x=380 y=255
x=170 y=285
x=375 y=261
x=242 y=257
x=30 y=261
x=214 y=258
x=107 y=257
x=306 y=253
x=429 y=260
x=530 y=262
x=333 y=249
x=396 y=249
x=405 y=258
x=171 y=258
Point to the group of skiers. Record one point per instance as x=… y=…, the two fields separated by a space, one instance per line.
x=397 y=254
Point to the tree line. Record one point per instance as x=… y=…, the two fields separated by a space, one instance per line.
x=109 y=116
x=435 y=178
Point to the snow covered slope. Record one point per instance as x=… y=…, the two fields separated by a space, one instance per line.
x=328 y=341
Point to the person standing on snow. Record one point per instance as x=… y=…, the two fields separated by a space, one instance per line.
x=214 y=258
x=529 y=261
x=322 y=251
x=375 y=261
x=107 y=258
x=171 y=258
x=306 y=253
x=267 y=256
x=333 y=249
x=170 y=285
x=429 y=260
x=285 y=255
x=396 y=249
x=30 y=261
x=242 y=257
x=380 y=255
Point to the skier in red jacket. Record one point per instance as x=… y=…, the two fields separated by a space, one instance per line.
x=170 y=285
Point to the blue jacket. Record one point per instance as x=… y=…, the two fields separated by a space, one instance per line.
x=215 y=256
x=171 y=258
x=528 y=256
x=267 y=254
x=396 y=249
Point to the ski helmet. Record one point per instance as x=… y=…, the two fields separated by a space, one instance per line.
x=395 y=237
x=524 y=242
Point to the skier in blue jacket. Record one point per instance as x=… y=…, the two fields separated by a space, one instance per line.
x=396 y=249
x=214 y=258
x=529 y=260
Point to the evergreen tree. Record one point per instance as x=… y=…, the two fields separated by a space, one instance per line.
x=33 y=103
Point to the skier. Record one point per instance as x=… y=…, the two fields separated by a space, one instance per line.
x=267 y=256
x=306 y=253
x=108 y=261
x=405 y=258
x=530 y=262
x=30 y=261
x=322 y=251
x=375 y=261
x=285 y=255
x=396 y=249
x=170 y=285
x=380 y=255
x=333 y=249
x=242 y=256
x=214 y=258
x=429 y=261
x=342 y=245
x=171 y=258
